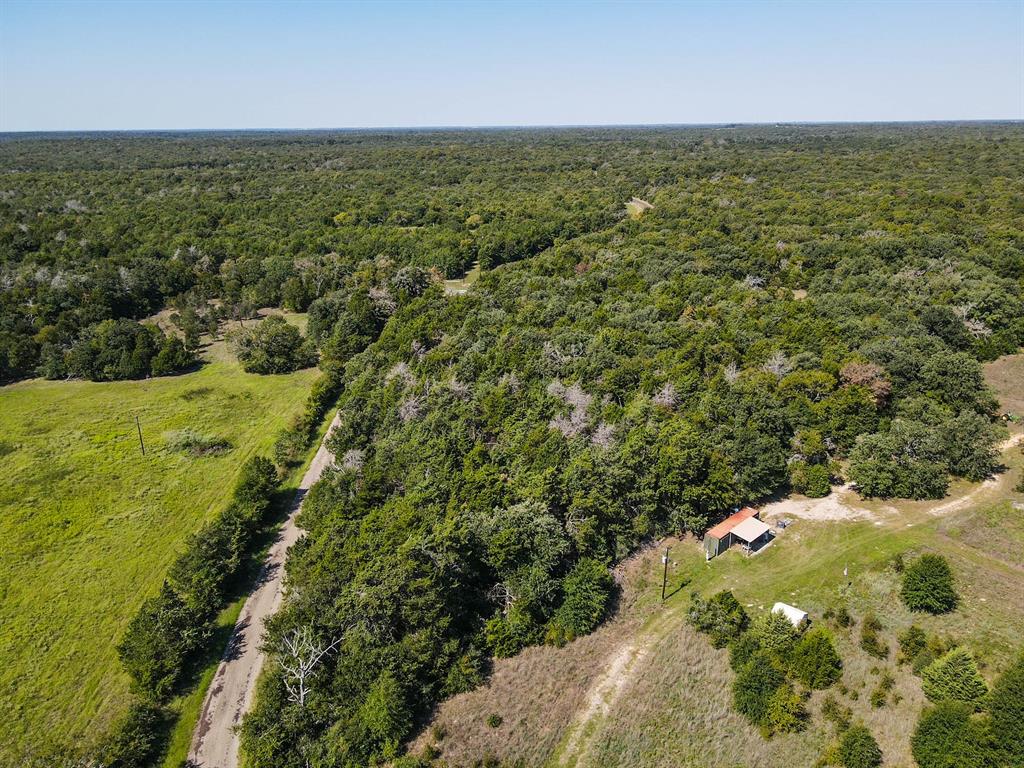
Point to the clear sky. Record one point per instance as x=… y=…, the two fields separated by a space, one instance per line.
x=135 y=65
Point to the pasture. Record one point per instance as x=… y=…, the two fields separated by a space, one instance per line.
x=90 y=525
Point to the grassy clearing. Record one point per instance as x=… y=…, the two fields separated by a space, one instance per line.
x=459 y=287
x=673 y=708
x=90 y=526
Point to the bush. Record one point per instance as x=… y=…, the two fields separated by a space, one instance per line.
x=954 y=677
x=785 y=712
x=754 y=687
x=912 y=642
x=1006 y=711
x=137 y=739
x=158 y=639
x=196 y=443
x=928 y=585
x=721 y=617
x=494 y=720
x=880 y=696
x=948 y=737
x=742 y=649
x=814 y=661
x=836 y=713
x=870 y=640
x=775 y=634
x=273 y=346
x=172 y=357
x=811 y=480
x=587 y=590
x=384 y=715
x=858 y=749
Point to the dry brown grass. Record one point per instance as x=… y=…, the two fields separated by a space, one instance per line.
x=538 y=692
x=1005 y=376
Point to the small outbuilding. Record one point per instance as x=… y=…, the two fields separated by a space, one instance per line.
x=743 y=527
x=796 y=617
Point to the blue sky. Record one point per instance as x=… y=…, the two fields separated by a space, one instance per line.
x=138 y=65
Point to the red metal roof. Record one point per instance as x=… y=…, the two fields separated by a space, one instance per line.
x=720 y=530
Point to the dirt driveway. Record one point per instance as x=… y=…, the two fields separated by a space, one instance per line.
x=215 y=741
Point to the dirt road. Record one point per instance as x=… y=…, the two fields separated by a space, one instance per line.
x=215 y=742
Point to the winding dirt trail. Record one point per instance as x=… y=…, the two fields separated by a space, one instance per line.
x=215 y=741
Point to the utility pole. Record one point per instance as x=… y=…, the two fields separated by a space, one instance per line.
x=138 y=426
x=664 y=575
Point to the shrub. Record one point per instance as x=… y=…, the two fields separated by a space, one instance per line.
x=814 y=661
x=912 y=641
x=587 y=590
x=754 y=686
x=1006 y=710
x=494 y=720
x=928 y=585
x=775 y=634
x=811 y=480
x=157 y=641
x=171 y=358
x=843 y=617
x=136 y=739
x=196 y=443
x=954 y=677
x=836 y=713
x=742 y=649
x=948 y=737
x=466 y=673
x=869 y=637
x=785 y=712
x=880 y=696
x=858 y=749
x=384 y=715
x=721 y=617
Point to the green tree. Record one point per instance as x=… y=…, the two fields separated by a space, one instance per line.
x=947 y=736
x=754 y=687
x=272 y=346
x=385 y=716
x=928 y=585
x=954 y=677
x=858 y=748
x=722 y=617
x=814 y=661
x=1006 y=709
x=587 y=589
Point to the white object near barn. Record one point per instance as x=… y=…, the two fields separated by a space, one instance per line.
x=795 y=615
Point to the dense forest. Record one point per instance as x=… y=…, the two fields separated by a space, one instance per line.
x=797 y=305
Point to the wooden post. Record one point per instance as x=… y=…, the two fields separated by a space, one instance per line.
x=664 y=575
x=138 y=426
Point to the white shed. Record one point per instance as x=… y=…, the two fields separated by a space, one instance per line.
x=795 y=615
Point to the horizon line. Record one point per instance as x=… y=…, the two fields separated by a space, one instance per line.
x=515 y=126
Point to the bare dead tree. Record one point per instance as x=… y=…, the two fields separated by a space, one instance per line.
x=301 y=654
x=502 y=594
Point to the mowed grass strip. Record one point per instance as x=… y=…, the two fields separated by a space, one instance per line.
x=90 y=526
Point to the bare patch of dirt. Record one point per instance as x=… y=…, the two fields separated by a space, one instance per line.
x=842 y=504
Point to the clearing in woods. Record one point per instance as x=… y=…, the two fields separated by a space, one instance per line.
x=90 y=526
x=459 y=287
x=645 y=689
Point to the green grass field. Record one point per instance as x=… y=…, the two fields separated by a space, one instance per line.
x=90 y=526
